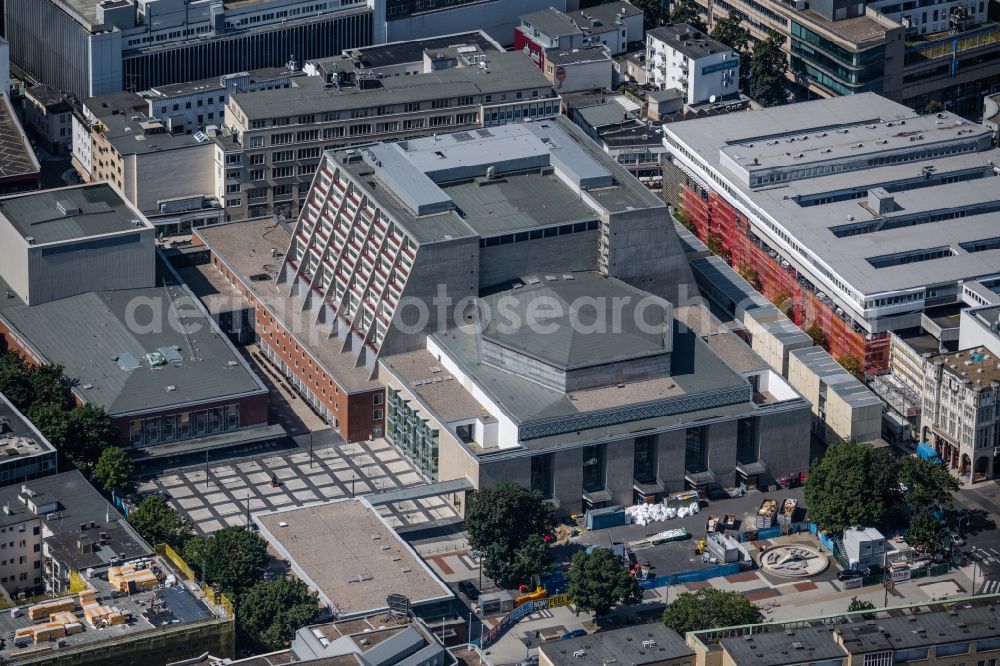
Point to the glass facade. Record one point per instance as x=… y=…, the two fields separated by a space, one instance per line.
x=187 y=425
x=834 y=67
x=645 y=459
x=541 y=474
x=593 y=468
x=696 y=449
x=411 y=434
x=746 y=440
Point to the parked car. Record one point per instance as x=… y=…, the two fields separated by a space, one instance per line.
x=956 y=538
x=576 y=633
x=469 y=590
x=530 y=661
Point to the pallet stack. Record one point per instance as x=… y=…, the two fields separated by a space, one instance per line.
x=45 y=609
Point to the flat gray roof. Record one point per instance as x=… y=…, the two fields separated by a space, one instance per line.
x=508 y=72
x=579 y=340
x=95 y=334
x=95 y=210
x=804 y=645
x=552 y=23
x=410 y=51
x=690 y=41
x=836 y=378
x=218 y=82
x=19 y=438
x=128 y=136
x=591 y=54
x=447 y=174
x=349 y=554
x=844 y=233
x=628 y=645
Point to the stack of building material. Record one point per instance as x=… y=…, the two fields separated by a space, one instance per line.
x=129 y=578
x=48 y=631
x=24 y=636
x=45 y=609
x=87 y=596
x=68 y=620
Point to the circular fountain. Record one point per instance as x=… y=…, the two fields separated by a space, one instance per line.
x=793 y=560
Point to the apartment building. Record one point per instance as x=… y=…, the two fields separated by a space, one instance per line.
x=960 y=416
x=94 y=47
x=613 y=25
x=864 y=215
x=913 y=53
x=170 y=177
x=959 y=631
x=274 y=139
x=682 y=57
x=49 y=113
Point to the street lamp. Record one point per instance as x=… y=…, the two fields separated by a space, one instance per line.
x=975 y=564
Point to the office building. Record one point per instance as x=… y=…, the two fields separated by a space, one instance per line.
x=274 y=139
x=961 y=630
x=171 y=177
x=991 y=114
x=580 y=69
x=980 y=327
x=642 y=645
x=613 y=25
x=26 y=454
x=94 y=47
x=188 y=107
x=864 y=215
x=351 y=557
x=5 y=67
x=960 y=418
x=49 y=113
x=614 y=123
x=419 y=19
x=681 y=57
x=84 y=290
x=43 y=525
x=910 y=53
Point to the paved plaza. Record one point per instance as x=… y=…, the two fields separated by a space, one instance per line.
x=362 y=468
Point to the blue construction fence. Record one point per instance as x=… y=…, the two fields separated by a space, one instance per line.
x=691 y=576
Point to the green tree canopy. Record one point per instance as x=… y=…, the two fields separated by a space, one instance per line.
x=730 y=31
x=817 y=334
x=710 y=608
x=686 y=11
x=532 y=559
x=233 y=559
x=768 y=66
x=859 y=605
x=114 y=468
x=926 y=483
x=157 y=522
x=853 y=365
x=14 y=382
x=852 y=484
x=600 y=580
x=270 y=613
x=926 y=532
x=47 y=386
x=653 y=12
x=90 y=432
x=500 y=520
x=52 y=421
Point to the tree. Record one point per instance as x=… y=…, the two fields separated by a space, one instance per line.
x=90 y=432
x=853 y=365
x=730 y=31
x=270 y=613
x=47 y=386
x=156 y=522
x=768 y=66
x=599 y=580
x=500 y=520
x=14 y=382
x=926 y=532
x=531 y=559
x=926 y=483
x=114 y=468
x=686 y=11
x=933 y=106
x=748 y=273
x=233 y=559
x=861 y=605
x=852 y=484
x=817 y=334
x=782 y=300
x=710 y=608
x=52 y=421
x=653 y=12
x=716 y=245
x=194 y=552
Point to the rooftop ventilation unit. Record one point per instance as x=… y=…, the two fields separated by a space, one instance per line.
x=67 y=208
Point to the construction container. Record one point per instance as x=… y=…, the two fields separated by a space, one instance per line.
x=765 y=514
x=786 y=514
x=611 y=516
